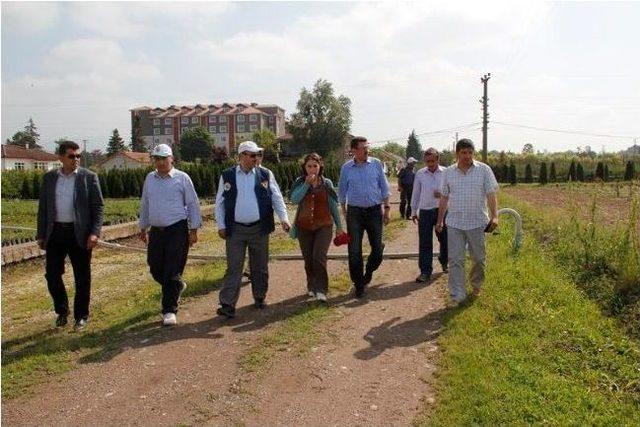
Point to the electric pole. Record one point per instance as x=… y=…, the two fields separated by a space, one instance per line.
x=455 y=142
x=485 y=116
x=84 y=153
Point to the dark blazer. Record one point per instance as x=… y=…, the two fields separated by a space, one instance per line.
x=87 y=203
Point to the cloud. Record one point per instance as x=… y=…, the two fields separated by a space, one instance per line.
x=29 y=17
x=134 y=20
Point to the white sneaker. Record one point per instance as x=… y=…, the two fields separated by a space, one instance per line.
x=321 y=297
x=169 y=319
x=311 y=294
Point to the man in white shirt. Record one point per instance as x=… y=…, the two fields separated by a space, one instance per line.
x=424 y=211
x=468 y=186
x=247 y=198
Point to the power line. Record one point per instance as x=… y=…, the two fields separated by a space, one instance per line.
x=573 y=132
x=430 y=132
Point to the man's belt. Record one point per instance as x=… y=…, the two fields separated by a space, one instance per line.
x=246 y=224
x=153 y=227
x=370 y=208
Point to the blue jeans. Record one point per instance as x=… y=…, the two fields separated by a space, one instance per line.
x=360 y=220
x=426 y=223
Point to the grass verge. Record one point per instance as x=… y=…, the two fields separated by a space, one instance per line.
x=532 y=350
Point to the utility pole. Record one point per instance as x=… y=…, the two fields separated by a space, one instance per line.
x=84 y=153
x=485 y=116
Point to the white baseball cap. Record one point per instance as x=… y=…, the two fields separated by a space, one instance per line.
x=249 y=146
x=161 y=150
x=411 y=160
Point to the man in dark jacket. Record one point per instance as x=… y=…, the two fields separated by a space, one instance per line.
x=405 y=186
x=69 y=221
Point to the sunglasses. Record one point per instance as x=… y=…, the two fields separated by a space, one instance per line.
x=74 y=156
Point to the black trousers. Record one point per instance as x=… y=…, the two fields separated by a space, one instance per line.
x=167 y=256
x=405 y=202
x=62 y=243
x=359 y=221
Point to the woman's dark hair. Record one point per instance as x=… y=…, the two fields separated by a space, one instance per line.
x=312 y=156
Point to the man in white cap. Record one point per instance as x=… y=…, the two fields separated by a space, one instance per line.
x=169 y=222
x=405 y=187
x=247 y=197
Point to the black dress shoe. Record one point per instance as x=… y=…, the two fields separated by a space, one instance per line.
x=445 y=268
x=61 y=321
x=359 y=292
x=259 y=303
x=227 y=311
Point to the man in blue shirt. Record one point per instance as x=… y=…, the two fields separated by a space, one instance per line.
x=169 y=222
x=363 y=192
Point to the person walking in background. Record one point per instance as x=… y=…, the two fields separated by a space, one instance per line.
x=468 y=186
x=424 y=211
x=313 y=226
x=406 y=177
x=70 y=212
x=169 y=222
x=363 y=192
x=246 y=199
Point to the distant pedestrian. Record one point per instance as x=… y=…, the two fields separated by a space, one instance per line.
x=313 y=226
x=424 y=211
x=468 y=187
x=406 y=175
x=169 y=222
x=247 y=197
x=364 y=197
x=70 y=213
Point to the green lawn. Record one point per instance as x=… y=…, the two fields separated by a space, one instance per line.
x=532 y=349
x=23 y=213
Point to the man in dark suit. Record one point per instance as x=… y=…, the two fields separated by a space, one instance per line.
x=69 y=222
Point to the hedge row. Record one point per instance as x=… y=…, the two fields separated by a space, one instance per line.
x=128 y=183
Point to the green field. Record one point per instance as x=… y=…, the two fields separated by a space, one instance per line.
x=554 y=337
x=23 y=213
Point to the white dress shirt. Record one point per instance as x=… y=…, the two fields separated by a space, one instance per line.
x=65 y=193
x=424 y=186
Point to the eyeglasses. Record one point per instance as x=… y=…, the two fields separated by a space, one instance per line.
x=259 y=154
x=252 y=155
x=74 y=156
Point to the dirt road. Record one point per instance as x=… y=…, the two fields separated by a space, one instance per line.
x=368 y=362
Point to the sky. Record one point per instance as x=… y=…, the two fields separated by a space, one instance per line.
x=77 y=68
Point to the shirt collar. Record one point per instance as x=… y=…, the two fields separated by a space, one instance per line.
x=473 y=164
x=438 y=170
x=366 y=161
x=172 y=172
x=75 y=172
x=239 y=170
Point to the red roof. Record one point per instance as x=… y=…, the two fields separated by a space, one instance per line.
x=18 y=152
x=144 y=158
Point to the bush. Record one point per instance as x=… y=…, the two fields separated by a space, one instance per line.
x=542 y=177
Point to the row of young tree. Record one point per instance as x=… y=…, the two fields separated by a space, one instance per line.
x=119 y=183
x=509 y=174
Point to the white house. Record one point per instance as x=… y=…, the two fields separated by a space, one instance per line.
x=126 y=160
x=15 y=157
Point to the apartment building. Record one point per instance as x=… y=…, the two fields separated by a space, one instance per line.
x=228 y=124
